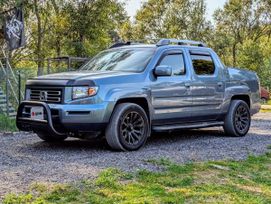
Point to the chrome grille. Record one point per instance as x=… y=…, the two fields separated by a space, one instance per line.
x=45 y=95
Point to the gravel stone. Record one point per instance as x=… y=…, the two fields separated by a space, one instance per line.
x=25 y=159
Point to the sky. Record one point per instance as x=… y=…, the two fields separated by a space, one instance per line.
x=133 y=5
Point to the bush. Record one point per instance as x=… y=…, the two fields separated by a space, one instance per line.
x=7 y=124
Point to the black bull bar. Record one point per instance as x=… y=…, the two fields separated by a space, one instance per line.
x=28 y=124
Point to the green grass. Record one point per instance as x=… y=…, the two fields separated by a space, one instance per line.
x=209 y=182
x=7 y=124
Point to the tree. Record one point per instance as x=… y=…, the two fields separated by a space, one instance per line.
x=251 y=56
x=40 y=35
x=172 y=19
x=74 y=27
x=36 y=27
x=57 y=34
x=241 y=20
x=96 y=28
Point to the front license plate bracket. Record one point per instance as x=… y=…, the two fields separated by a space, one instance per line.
x=37 y=113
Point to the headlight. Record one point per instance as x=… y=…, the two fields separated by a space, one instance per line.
x=84 y=91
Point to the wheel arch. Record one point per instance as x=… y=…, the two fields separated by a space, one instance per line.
x=141 y=101
x=242 y=97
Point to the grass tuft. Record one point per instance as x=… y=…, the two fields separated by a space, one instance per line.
x=109 y=178
x=7 y=124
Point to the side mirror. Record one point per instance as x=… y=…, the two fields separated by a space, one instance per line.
x=163 y=70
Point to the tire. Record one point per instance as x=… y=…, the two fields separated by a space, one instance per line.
x=238 y=119
x=50 y=137
x=128 y=128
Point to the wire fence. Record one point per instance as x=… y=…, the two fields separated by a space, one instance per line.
x=10 y=88
x=13 y=80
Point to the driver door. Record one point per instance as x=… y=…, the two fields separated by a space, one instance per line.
x=171 y=94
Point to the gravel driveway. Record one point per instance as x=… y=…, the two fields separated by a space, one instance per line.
x=25 y=159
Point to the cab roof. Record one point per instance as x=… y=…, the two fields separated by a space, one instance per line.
x=161 y=43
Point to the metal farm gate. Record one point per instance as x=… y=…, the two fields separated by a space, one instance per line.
x=10 y=90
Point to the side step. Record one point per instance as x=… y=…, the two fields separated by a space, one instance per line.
x=162 y=128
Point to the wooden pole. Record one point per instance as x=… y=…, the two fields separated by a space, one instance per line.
x=69 y=64
x=7 y=86
x=19 y=86
x=48 y=66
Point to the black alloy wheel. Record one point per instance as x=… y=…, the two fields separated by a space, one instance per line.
x=128 y=128
x=242 y=119
x=132 y=127
x=238 y=119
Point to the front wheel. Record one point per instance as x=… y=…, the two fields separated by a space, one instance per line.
x=238 y=119
x=50 y=137
x=128 y=129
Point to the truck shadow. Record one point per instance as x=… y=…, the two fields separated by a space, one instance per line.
x=158 y=140
x=155 y=139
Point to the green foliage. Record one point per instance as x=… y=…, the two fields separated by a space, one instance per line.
x=7 y=124
x=209 y=182
x=109 y=178
x=251 y=56
x=172 y=19
x=18 y=199
x=96 y=28
x=59 y=28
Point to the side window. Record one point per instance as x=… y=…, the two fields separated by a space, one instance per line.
x=203 y=65
x=176 y=61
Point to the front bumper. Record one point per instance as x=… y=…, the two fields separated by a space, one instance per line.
x=65 y=118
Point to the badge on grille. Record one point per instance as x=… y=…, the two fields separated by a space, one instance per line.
x=43 y=95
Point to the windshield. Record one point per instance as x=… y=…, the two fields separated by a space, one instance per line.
x=124 y=59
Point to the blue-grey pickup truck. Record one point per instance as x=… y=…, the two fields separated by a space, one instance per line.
x=131 y=90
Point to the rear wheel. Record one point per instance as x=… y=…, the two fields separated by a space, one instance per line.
x=129 y=128
x=50 y=137
x=238 y=119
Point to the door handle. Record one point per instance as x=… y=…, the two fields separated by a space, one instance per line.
x=220 y=84
x=187 y=85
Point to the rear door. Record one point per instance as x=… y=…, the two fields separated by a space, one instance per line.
x=170 y=94
x=207 y=86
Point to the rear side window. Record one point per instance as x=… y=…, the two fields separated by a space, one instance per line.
x=176 y=61
x=203 y=64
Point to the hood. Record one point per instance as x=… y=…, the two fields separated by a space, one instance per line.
x=80 y=78
x=77 y=75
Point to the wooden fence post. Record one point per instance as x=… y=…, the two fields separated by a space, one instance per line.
x=7 y=86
